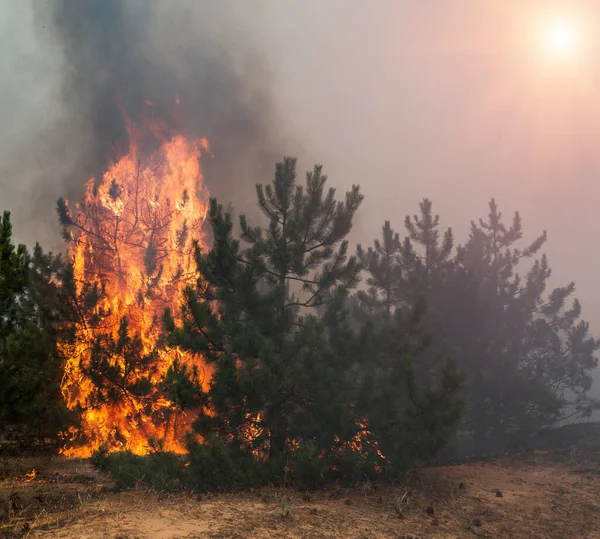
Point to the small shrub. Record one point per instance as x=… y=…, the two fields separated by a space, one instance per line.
x=352 y=466
x=308 y=469
x=402 y=502
x=213 y=465
x=284 y=510
x=161 y=471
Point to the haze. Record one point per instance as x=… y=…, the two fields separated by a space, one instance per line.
x=448 y=99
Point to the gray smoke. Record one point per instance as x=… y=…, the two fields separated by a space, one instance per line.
x=113 y=56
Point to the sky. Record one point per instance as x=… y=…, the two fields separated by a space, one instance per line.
x=455 y=100
x=451 y=100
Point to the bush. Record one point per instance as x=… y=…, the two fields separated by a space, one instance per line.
x=161 y=471
x=216 y=466
x=352 y=466
x=307 y=468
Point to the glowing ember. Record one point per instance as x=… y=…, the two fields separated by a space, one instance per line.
x=30 y=476
x=132 y=238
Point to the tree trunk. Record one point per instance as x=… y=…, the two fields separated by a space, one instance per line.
x=278 y=431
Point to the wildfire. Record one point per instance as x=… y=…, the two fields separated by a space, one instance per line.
x=130 y=247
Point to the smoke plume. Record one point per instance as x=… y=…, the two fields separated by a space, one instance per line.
x=140 y=57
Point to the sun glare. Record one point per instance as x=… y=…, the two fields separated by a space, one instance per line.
x=562 y=39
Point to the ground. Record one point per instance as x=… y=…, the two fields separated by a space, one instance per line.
x=527 y=498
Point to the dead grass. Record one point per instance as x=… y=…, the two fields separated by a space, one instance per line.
x=540 y=499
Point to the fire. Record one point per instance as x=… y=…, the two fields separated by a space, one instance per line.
x=131 y=244
x=30 y=476
x=363 y=441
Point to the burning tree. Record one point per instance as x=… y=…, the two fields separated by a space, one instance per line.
x=130 y=249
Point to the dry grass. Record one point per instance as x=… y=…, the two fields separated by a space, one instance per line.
x=540 y=499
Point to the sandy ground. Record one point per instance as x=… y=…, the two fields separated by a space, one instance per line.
x=502 y=499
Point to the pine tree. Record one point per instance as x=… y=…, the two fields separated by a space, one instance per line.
x=260 y=312
x=387 y=264
x=424 y=231
x=30 y=399
x=13 y=275
x=130 y=252
x=411 y=397
x=428 y=261
x=529 y=354
x=526 y=354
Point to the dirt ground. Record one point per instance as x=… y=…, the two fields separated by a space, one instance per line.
x=502 y=499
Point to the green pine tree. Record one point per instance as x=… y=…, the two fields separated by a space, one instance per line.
x=260 y=315
x=14 y=263
x=423 y=231
x=385 y=264
x=526 y=354
x=411 y=397
x=529 y=354
x=30 y=364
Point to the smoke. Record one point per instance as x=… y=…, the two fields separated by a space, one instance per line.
x=112 y=57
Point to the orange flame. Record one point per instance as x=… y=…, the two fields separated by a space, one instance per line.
x=133 y=237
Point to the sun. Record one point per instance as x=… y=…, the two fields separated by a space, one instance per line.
x=562 y=39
